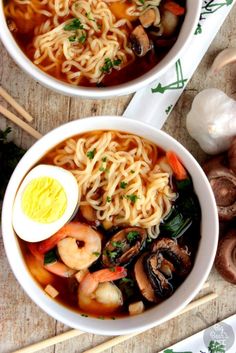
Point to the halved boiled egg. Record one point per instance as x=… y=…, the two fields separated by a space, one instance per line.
x=45 y=201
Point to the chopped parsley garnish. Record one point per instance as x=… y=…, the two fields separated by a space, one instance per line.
x=117 y=244
x=106 y=68
x=73 y=25
x=133 y=198
x=108 y=199
x=90 y=154
x=102 y=169
x=72 y=38
x=89 y=17
x=142 y=2
x=96 y=253
x=127 y=280
x=82 y=38
x=111 y=254
x=116 y=62
x=123 y=184
x=132 y=171
x=104 y=159
x=50 y=257
x=131 y=236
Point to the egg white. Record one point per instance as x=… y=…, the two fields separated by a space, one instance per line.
x=32 y=231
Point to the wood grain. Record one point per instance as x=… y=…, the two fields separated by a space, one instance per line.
x=21 y=321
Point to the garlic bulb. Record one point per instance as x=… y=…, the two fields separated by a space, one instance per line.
x=212 y=120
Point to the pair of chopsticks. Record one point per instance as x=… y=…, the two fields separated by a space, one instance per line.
x=114 y=341
x=9 y=115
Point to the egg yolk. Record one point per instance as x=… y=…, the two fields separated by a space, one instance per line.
x=44 y=200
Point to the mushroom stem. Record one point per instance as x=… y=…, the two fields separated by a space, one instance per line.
x=224 y=58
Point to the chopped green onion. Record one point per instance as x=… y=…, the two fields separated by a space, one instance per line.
x=88 y=15
x=73 y=25
x=131 y=236
x=96 y=253
x=133 y=198
x=111 y=254
x=72 y=38
x=104 y=159
x=117 y=244
x=106 y=68
x=82 y=38
x=123 y=184
x=108 y=199
x=90 y=154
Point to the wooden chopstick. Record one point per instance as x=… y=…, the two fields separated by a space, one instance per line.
x=26 y=127
x=15 y=105
x=112 y=342
x=50 y=341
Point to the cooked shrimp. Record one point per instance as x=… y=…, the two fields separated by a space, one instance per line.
x=57 y=267
x=78 y=245
x=98 y=294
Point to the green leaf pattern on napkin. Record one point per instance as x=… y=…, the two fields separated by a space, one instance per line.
x=213 y=347
x=208 y=8
x=178 y=84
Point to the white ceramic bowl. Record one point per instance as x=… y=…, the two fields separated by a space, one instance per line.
x=205 y=255
x=186 y=33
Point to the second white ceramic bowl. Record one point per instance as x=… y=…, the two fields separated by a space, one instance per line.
x=206 y=251
x=184 y=38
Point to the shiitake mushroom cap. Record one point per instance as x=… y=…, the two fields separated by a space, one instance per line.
x=225 y=261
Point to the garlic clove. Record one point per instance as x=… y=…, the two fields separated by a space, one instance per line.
x=212 y=120
x=224 y=58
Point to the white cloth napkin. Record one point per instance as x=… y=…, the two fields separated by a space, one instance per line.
x=154 y=103
x=219 y=338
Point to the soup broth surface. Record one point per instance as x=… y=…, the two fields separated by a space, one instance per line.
x=95 y=42
x=164 y=249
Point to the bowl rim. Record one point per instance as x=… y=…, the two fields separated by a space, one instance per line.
x=152 y=317
x=184 y=38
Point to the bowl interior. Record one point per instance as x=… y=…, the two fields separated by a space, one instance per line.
x=184 y=38
x=204 y=258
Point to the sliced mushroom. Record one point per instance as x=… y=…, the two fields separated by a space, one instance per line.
x=225 y=262
x=174 y=254
x=223 y=183
x=150 y=17
x=169 y=23
x=139 y=40
x=160 y=284
x=124 y=246
x=143 y=281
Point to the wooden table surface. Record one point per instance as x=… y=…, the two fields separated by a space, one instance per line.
x=21 y=321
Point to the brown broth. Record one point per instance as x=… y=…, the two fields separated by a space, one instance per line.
x=25 y=33
x=68 y=287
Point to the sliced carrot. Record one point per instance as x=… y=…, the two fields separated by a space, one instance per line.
x=176 y=9
x=178 y=169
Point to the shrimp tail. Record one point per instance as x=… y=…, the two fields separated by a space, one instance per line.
x=111 y=274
